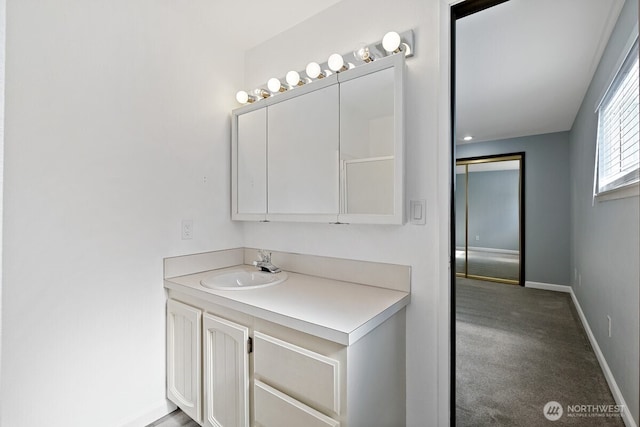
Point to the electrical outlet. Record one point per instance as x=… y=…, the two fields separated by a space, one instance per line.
x=575 y=274
x=477 y=238
x=187 y=229
x=609 y=319
x=579 y=279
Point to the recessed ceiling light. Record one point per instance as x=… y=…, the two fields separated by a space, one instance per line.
x=468 y=138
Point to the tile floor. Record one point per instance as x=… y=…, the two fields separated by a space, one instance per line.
x=175 y=419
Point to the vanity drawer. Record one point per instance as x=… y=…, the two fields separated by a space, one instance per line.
x=307 y=376
x=275 y=409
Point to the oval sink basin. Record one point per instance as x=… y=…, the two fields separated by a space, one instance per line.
x=243 y=279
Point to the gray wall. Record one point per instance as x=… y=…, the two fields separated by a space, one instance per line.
x=546 y=201
x=493 y=210
x=605 y=235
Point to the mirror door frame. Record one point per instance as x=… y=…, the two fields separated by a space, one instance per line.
x=520 y=156
x=456 y=11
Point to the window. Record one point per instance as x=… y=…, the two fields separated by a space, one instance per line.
x=618 y=155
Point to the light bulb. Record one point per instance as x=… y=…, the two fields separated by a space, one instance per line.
x=468 y=138
x=262 y=93
x=275 y=86
x=363 y=54
x=391 y=42
x=336 y=63
x=314 y=71
x=293 y=78
x=243 y=97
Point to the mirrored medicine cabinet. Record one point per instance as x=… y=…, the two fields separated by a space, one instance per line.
x=331 y=150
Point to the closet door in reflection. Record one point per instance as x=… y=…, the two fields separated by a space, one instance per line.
x=461 y=219
x=489 y=228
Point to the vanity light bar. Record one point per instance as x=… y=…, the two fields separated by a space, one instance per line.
x=391 y=44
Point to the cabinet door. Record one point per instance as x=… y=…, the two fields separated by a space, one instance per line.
x=226 y=373
x=303 y=156
x=372 y=143
x=183 y=357
x=250 y=165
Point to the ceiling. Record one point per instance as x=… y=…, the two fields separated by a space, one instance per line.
x=523 y=67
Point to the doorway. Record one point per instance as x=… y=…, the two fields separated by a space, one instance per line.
x=489 y=203
x=457 y=11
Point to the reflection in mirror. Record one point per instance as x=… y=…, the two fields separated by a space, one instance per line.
x=488 y=232
x=367 y=144
x=461 y=219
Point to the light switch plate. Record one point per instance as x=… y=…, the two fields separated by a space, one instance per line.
x=417 y=212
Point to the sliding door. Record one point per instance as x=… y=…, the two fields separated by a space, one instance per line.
x=461 y=219
x=489 y=218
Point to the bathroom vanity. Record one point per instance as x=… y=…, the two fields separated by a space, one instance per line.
x=324 y=347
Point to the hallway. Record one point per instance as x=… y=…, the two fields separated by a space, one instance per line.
x=519 y=348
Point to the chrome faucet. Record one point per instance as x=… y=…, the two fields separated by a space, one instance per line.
x=264 y=262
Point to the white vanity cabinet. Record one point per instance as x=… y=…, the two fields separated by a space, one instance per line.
x=207 y=366
x=289 y=378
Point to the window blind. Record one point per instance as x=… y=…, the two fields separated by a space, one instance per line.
x=618 y=128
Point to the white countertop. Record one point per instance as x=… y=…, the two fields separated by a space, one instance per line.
x=342 y=312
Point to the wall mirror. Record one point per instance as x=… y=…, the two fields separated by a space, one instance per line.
x=249 y=157
x=488 y=218
x=302 y=175
x=329 y=151
x=366 y=144
x=371 y=148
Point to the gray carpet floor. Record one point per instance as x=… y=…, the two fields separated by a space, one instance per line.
x=516 y=350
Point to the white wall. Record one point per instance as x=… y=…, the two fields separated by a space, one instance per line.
x=340 y=29
x=116 y=110
x=115 y=113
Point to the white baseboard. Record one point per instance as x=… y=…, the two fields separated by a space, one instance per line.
x=613 y=385
x=548 y=287
x=482 y=249
x=150 y=415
